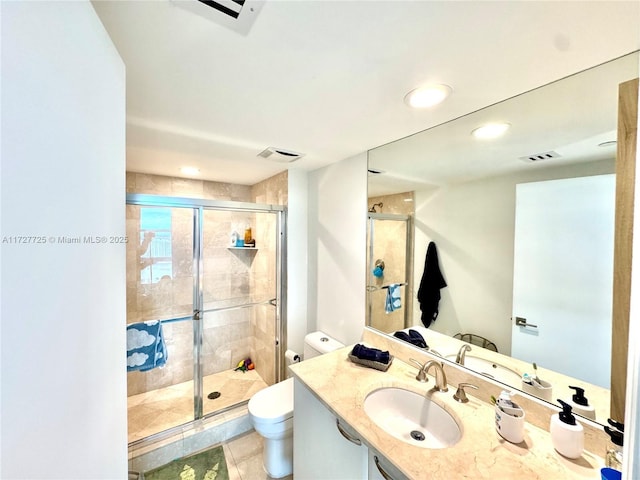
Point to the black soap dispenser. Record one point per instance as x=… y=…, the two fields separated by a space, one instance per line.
x=567 y=435
x=613 y=458
x=580 y=404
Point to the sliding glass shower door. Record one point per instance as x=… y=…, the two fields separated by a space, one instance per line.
x=239 y=299
x=390 y=257
x=160 y=273
x=219 y=305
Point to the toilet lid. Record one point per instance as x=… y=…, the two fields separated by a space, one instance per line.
x=274 y=403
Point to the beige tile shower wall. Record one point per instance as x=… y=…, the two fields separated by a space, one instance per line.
x=389 y=246
x=395 y=204
x=184 y=187
x=226 y=274
x=271 y=191
x=228 y=335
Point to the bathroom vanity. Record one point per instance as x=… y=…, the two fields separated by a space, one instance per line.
x=331 y=391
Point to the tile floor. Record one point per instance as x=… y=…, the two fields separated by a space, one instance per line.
x=158 y=410
x=244 y=458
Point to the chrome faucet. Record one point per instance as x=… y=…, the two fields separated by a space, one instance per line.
x=460 y=356
x=441 y=377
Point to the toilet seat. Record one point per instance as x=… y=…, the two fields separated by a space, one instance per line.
x=273 y=404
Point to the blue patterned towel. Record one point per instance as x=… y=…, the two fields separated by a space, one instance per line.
x=145 y=346
x=392 y=302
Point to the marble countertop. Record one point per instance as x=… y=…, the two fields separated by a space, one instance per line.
x=481 y=453
x=598 y=397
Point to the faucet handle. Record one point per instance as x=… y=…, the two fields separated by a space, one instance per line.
x=422 y=375
x=461 y=395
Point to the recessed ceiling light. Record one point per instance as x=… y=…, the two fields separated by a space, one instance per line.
x=409 y=199
x=490 y=130
x=427 y=96
x=190 y=170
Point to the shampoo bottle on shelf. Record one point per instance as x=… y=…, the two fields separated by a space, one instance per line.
x=567 y=435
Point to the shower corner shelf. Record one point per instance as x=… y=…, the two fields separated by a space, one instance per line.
x=242 y=248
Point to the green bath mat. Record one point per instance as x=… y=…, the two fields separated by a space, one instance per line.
x=207 y=465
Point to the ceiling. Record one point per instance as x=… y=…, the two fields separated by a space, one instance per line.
x=327 y=78
x=570 y=121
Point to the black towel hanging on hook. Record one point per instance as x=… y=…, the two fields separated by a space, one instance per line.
x=430 y=284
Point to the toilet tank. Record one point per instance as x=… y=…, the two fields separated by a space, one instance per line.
x=319 y=343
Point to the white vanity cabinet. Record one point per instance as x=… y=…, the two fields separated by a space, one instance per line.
x=319 y=449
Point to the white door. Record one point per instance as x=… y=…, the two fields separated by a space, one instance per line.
x=563 y=275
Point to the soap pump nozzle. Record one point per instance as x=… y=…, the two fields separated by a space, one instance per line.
x=565 y=415
x=616 y=425
x=579 y=398
x=617 y=437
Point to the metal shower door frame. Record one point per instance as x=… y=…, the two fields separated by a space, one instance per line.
x=199 y=206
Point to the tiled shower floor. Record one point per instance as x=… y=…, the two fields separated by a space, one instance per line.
x=155 y=411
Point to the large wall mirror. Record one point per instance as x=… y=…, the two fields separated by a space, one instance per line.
x=474 y=199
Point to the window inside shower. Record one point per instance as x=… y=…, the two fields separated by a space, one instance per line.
x=155 y=244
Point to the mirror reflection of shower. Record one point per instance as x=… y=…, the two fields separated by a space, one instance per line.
x=389 y=259
x=373 y=207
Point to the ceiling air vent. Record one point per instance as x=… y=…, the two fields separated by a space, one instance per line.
x=538 y=157
x=280 y=155
x=238 y=15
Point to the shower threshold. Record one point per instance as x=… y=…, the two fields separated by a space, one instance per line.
x=156 y=411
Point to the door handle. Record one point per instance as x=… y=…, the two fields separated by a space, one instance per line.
x=522 y=322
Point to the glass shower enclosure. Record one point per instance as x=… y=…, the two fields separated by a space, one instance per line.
x=220 y=306
x=389 y=262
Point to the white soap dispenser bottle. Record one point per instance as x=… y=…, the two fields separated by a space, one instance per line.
x=580 y=404
x=567 y=435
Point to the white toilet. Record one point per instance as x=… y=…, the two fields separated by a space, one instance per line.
x=271 y=412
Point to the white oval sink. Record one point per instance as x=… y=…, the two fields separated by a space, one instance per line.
x=412 y=418
x=490 y=369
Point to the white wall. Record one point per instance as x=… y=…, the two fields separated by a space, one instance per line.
x=63 y=402
x=297 y=259
x=337 y=244
x=472 y=226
